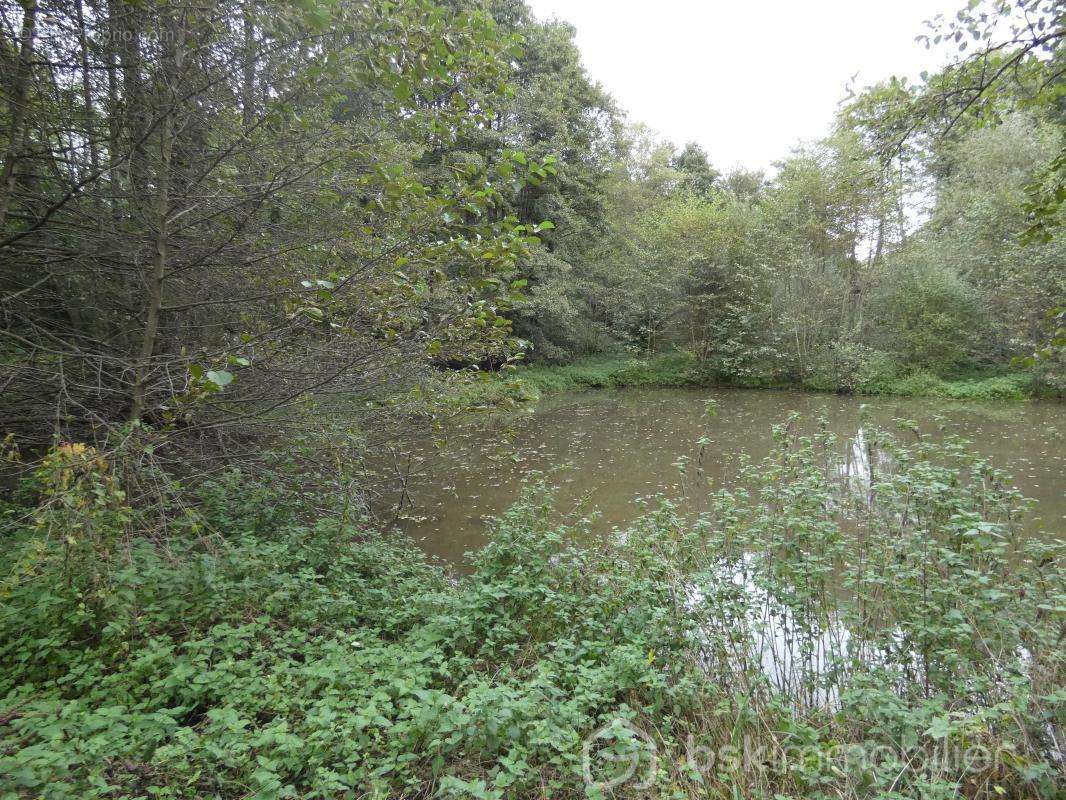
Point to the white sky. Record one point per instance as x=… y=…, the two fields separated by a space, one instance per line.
x=747 y=80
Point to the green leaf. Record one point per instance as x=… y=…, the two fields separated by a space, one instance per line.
x=220 y=377
x=939 y=728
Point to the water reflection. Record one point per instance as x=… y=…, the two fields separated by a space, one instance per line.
x=856 y=465
x=799 y=660
x=605 y=450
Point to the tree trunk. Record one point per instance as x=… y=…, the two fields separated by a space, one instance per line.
x=248 y=78
x=134 y=105
x=114 y=119
x=19 y=101
x=87 y=92
x=157 y=275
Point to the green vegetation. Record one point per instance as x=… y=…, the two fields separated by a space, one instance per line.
x=247 y=247
x=679 y=370
x=826 y=273
x=995 y=387
x=527 y=383
x=604 y=373
x=277 y=202
x=262 y=654
x=883 y=378
x=816 y=278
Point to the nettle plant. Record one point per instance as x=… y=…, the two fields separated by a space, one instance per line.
x=893 y=590
x=878 y=599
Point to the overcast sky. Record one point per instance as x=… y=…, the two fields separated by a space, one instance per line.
x=747 y=80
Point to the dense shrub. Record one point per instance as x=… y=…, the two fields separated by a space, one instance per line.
x=1011 y=386
x=929 y=318
x=281 y=658
x=847 y=368
x=666 y=371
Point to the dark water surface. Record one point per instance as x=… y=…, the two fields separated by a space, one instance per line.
x=606 y=449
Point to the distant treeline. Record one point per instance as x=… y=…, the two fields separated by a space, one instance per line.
x=212 y=212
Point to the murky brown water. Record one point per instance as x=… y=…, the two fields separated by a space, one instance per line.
x=606 y=449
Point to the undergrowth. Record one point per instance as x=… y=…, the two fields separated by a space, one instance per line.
x=679 y=370
x=1011 y=386
x=815 y=616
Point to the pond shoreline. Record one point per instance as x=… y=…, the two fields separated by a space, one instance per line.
x=676 y=371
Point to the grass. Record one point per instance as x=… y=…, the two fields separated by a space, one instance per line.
x=665 y=371
x=996 y=386
x=527 y=384
x=677 y=370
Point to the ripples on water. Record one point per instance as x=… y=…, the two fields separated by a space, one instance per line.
x=606 y=450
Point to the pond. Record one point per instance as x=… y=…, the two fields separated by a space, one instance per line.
x=605 y=450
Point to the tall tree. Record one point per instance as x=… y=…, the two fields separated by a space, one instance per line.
x=698 y=173
x=213 y=209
